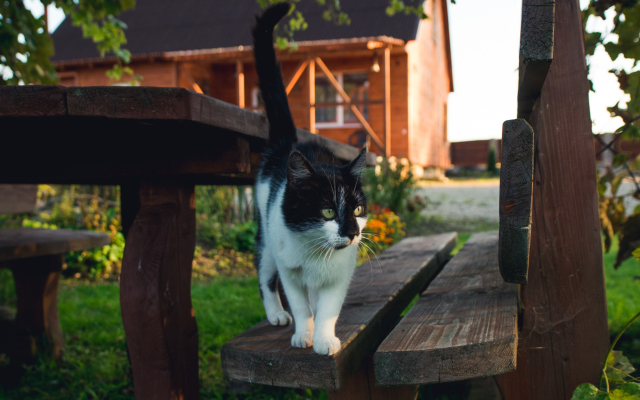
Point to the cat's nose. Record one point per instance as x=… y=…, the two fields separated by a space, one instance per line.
x=351 y=236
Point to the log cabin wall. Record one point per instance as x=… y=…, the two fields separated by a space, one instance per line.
x=429 y=85
x=159 y=73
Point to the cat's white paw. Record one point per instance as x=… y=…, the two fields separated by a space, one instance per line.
x=280 y=318
x=327 y=345
x=302 y=339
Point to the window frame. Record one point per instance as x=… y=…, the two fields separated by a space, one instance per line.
x=340 y=109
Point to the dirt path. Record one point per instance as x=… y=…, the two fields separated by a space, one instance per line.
x=462 y=200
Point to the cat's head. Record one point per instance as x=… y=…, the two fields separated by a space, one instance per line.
x=326 y=202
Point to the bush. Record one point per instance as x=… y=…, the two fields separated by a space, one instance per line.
x=384 y=228
x=390 y=184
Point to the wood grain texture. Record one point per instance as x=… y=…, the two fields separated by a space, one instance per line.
x=379 y=291
x=157 y=127
x=36 y=280
x=536 y=51
x=16 y=199
x=564 y=335
x=516 y=188
x=27 y=242
x=463 y=326
x=33 y=101
x=155 y=294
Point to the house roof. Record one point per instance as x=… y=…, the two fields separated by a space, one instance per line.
x=158 y=26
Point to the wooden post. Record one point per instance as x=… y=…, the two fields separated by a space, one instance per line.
x=36 y=280
x=240 y=83
x=155 y=294
x=564 y=336
x=312 y=95
x=387 y=101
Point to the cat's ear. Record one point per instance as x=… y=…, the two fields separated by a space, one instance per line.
x=299 y=167
x=356 y=166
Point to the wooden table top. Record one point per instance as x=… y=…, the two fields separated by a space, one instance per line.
x=112 y=134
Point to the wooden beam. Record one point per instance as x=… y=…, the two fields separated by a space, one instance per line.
x=296 y=75
x=312 y=95
x=387 y=101
x=564 y=336
x=191 y=82
x=346 y=98
x=240 y=83
x=516 y=189
x=536 y=52
x=463 y=326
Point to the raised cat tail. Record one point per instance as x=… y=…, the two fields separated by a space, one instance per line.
x=271 y=84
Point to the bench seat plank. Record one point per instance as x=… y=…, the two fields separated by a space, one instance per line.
x=378 y=293
x=27 y=242
x=463 y=326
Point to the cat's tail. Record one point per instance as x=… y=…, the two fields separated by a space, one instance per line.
x=270 y=77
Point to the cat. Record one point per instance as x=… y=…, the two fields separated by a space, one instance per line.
x=311 y=209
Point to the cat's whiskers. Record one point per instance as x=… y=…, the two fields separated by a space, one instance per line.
x=316 y=246
x=375 y=255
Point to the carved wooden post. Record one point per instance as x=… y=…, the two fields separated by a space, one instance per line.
x=155 y=294
x=564 y=337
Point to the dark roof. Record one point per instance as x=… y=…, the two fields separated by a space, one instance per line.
x=157 y=26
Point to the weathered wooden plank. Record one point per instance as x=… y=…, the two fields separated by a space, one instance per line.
x=33 y=101
x=155 y=294
x=564 y=334
x=463 y=326
x=379 y=291
x=516 y=188
x=16 y=199
x=536 y=52
x=26 y=242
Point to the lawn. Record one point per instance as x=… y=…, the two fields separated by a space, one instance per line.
x=96 y=365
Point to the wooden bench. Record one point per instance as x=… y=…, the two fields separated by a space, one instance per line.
x=463 y=326
x=35 y=258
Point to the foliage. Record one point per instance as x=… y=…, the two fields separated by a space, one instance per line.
x=383 y=229
x=626 y=26
x=616 y=375
x=390 y=184
x=491 y=161
x=25 y=46
x=225 y=217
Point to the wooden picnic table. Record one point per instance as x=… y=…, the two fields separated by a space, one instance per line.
x=157 y=143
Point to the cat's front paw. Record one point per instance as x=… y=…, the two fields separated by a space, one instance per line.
x=302 y=339
x=280 y=318
x=327 y=345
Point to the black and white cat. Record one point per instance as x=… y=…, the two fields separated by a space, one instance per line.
x=312 y=211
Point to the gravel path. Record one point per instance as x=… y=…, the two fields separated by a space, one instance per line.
x=462 y=200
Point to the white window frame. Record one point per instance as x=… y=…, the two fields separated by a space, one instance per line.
x=340 y=109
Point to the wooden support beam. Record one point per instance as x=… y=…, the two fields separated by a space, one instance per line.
x=240 y=83
x=312 y=95
x=536 y=52
x=387 y=101
x=516 y=187
x=346 y=98
x=191 y=82
x=564 y=336
x=297 y=75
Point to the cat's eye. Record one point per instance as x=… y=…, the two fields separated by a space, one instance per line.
x=328 y=213
x=358 y=211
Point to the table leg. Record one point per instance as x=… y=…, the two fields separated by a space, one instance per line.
x=155 y=294
x=36 y=280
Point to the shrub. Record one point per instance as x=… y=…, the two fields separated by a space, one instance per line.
x=390 y=184
x=384 y=228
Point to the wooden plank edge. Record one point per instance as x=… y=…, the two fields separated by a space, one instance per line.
x=441 y=363
x=516 y=200
x=536 y=52
x=351 y=359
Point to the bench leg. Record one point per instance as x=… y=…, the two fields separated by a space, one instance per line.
x=155 y=294
x=361 y=386
x=36 y=280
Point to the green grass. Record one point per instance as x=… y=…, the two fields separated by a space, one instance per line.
x=96 y=365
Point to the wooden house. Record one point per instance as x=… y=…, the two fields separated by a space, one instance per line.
x=383 y=80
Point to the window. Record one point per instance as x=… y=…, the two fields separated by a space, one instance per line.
x=356 y=85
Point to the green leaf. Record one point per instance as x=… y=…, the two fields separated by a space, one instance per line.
x=587 y=391
x=628 y=391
